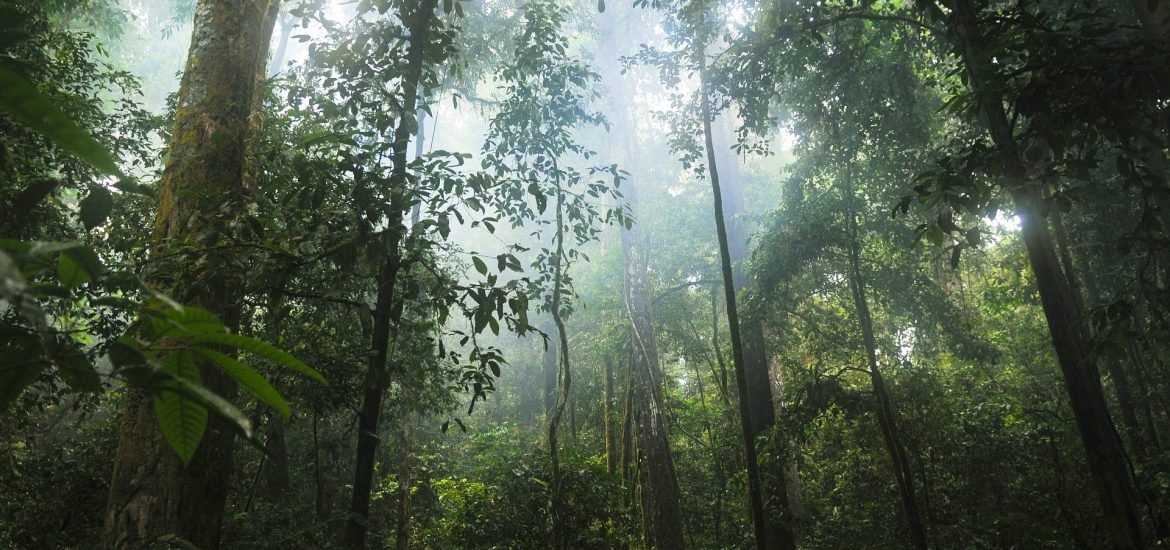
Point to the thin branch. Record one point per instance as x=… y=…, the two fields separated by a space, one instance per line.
x=321 y=298
x=690 y=284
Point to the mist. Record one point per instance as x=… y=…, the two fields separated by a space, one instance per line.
x=534 y=274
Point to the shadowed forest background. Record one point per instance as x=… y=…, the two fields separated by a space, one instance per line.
x=549 y=274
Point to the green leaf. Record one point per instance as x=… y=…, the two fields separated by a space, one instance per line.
x=96 y=207
x=181 y=419
x=935 y=235
x=480 y=266
x=125 y=353
x=34 y=108
x=69 y=273
x=261 y=349
x=194 y=320
x=249 y=378
x=87 y=260
x=32 y=195
x=76 y=370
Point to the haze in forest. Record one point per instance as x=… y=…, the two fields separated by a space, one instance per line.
x=541 y=274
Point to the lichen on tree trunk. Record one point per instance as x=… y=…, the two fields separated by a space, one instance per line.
x=152 y=494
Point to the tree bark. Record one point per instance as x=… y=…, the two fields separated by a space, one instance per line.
x=1106 y=459
x=611 y=455
x=766 y=537
x=405 y=450
x=887 y=418
x=377 y=376
x=549 y=368
x=274 y=476
x=761 y=402
x=152 y=494
x=286 y=25
x=662 y=509
x=560 y=513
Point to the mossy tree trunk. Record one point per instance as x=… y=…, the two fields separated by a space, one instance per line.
x=662 y=507
x=152 y=494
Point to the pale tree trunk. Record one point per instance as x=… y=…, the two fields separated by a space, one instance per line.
x=791 y=474
x=549 y=369
x=405 y=450
x=1106 y=459
x=385 y=309
x=287 y=22
x=662 y=509
x=152 y=494
x=611 y=455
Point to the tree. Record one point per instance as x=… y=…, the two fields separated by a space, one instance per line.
x=1103 y=449
x=418 y=19
x=153 y=494
x=662 y=513
x=530 y=138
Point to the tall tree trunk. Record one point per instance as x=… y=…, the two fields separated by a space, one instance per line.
x=287 y=22
x=611 y=455
x=662 y=509
x=790 y=473
x=405 y=450
x=761 y=401
x=627 y=428
x=377 y=376
x=887 y=419
x=560 y=514
x=274 y=476
x=550 y=368
x=765 y=536
x=152 y=494
x=1106 y=459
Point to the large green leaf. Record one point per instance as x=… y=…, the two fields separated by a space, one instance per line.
x=261 y=349
x=249 y=378
x=69 y=273
x=215 y=404
x=26 y=103
x=182 y=419
x=78 y=372
x=171 y=319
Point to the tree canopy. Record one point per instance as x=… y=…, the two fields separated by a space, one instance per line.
x=537 y=274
